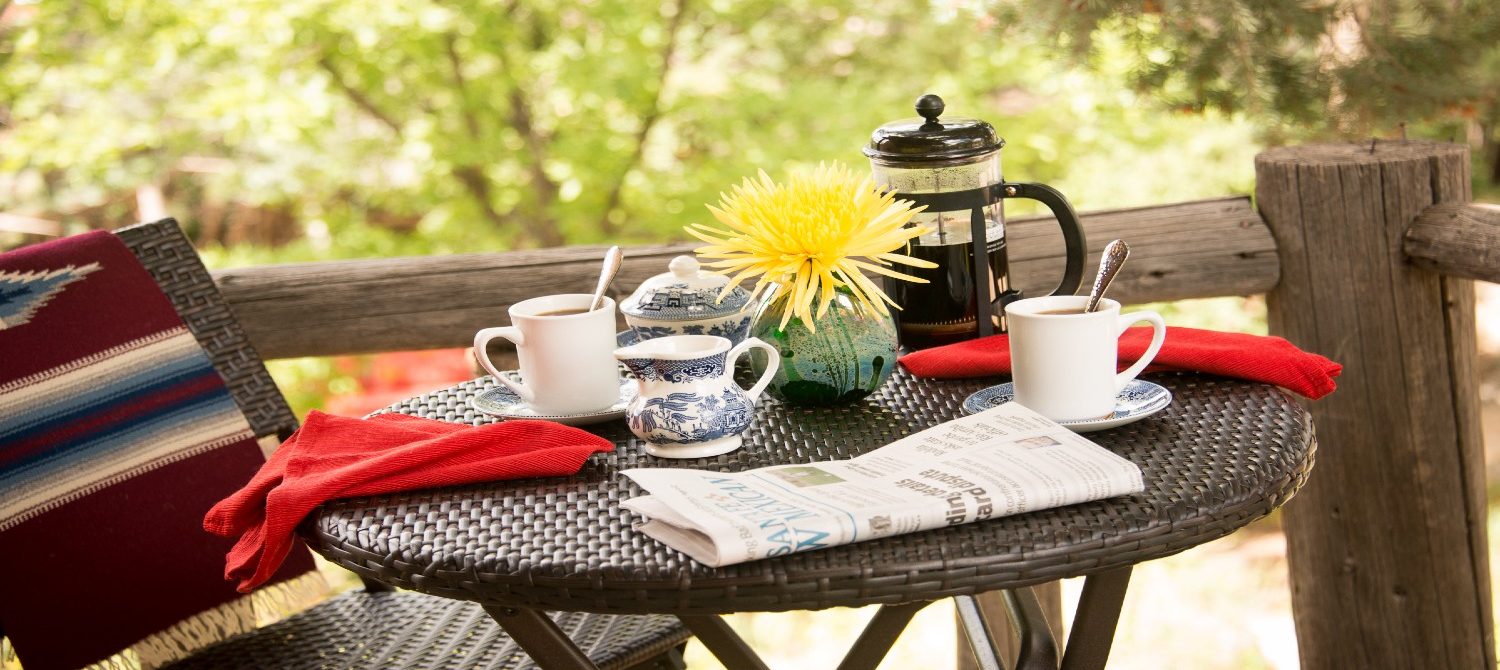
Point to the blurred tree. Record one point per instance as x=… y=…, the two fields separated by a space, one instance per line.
x=1350 y=68
x=486 y=124
x=535 y=117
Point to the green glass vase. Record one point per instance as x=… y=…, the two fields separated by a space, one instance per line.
x=852 y=352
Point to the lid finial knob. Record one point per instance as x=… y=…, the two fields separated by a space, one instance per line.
x=930 y=107
x=684 y=267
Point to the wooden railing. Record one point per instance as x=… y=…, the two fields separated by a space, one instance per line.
x=1366 y=254
x=1185 y=250
x=1458 y=240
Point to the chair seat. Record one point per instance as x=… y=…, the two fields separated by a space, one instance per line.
x=397 y=629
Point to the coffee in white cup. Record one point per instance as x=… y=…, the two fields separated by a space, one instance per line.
x=566 y=354
x=1063 y=361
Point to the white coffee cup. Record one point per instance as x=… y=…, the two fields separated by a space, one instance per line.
x=567 y=362
x=1063 y=365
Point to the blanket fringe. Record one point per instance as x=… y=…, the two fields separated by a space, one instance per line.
x=125 y=660
x=262 y=607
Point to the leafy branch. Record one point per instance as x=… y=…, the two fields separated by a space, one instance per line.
x=653 y=114
x=358 y=97
x=522 y=119
x=540 y=228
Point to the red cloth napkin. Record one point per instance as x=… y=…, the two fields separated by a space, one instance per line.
x=1271 y=360
x=339 y=457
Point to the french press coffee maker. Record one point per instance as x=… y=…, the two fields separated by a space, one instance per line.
x=952 y=165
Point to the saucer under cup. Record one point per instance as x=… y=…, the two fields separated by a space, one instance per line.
x=503 y=403
x=1138 y=400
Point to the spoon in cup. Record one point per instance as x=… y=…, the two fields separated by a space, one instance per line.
x=1110 y=262
x=612 y=260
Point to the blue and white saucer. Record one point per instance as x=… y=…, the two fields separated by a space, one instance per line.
x=626 y=338
x=1138 y=400
x=504 y=403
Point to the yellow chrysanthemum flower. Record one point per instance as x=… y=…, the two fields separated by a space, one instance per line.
x=817 y=232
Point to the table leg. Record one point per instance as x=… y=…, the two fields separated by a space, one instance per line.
x=1038 y=648
x=871 y=647
x=539 y=635
x=1094 y=623
x=976 y=630
x=721 y=640
x=373 y=586
x=878 y=636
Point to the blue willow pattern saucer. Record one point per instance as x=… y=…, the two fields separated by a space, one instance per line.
x=1138 y=400
x=504 y=403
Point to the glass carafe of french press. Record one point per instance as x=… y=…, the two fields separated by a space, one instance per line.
x=952 y=165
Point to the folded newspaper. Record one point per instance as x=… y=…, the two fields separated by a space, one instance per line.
x=1003 y=461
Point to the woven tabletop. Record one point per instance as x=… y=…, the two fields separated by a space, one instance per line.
x=1223 y=454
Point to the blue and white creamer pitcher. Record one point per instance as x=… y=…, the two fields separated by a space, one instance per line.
x=689 y=405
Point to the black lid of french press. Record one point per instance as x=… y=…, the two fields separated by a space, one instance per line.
x=928 y=138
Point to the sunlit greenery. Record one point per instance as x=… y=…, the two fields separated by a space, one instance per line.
x=284 y=131
x=299 y=130
x=366 y=129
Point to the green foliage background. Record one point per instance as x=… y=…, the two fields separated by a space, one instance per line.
x=457 y=125
x=301 y=130
x=282 y=131
x=295 y=130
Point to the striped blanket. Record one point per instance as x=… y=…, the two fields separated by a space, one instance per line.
x=116 y=436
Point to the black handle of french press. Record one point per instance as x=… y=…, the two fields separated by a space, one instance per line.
x=1076 y=247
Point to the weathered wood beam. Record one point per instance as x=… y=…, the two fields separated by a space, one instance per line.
x=29 y=225
x=1387 y=542
x=1458 y=240
x=424 y=302
x=1185 y=250
x=1196 y=249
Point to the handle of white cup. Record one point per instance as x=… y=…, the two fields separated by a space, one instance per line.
x=482 y=342
x=1158 y=335
x=773 y=363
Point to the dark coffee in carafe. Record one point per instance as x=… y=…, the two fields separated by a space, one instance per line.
x=944 y=310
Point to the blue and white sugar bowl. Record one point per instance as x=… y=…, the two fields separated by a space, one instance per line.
x=688 y=404
x=685 y=301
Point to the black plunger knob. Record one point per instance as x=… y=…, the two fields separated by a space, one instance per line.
x=930 y=107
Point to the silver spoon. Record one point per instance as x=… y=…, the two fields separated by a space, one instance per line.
x=1110 y=262
x=612 y=259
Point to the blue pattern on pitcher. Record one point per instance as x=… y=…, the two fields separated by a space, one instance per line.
x=689 y=405
x=684 y=418
x=676 y=372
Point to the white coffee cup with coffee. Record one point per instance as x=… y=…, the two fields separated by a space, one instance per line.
x=566 y=354
x=1064 y=362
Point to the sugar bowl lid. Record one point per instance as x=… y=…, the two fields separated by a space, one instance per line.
x=685 y=293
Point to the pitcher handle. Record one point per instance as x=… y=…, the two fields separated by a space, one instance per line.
x=482 y=340
x=1075 y=246
x=773 y=363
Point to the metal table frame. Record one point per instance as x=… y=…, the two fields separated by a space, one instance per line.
x=1089 y=640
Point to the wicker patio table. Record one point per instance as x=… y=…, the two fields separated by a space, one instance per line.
x=1222 y=455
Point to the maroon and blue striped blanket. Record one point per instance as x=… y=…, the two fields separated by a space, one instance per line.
x=116 y=436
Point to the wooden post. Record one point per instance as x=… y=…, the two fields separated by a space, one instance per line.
x=1386 y=544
